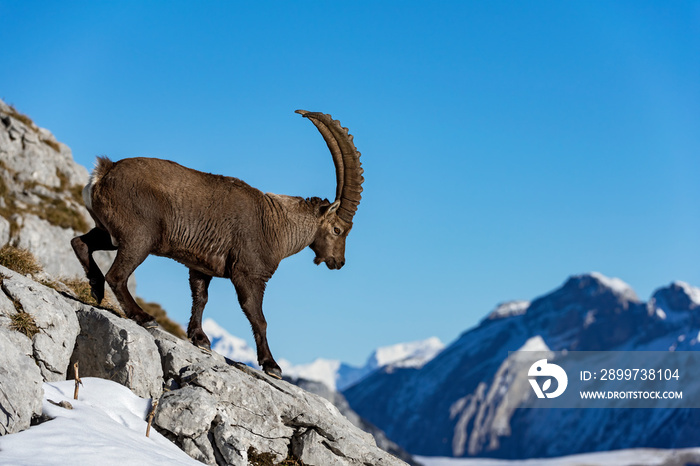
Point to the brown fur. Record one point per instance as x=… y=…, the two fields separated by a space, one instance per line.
x=217 y=226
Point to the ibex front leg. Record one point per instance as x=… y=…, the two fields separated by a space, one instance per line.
x=250 y=295
x=199 y=284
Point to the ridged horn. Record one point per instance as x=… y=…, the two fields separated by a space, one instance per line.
x=348 y=168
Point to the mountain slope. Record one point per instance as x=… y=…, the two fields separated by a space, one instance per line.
x=457 y=392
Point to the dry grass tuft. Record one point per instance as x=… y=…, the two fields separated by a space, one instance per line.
x=19 y=260
x=81 y=291
x=21 y=117
x=58 y=212
x=76 y=192
x=52 y=144
x=268 y=459
x=23 y=322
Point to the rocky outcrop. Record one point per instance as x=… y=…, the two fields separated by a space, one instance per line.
x=220 y=411
x=216 y=410
x=339 y=401
x=41 y=205
x=20 y=383
x=117 y=349
x=54 y=317
x=37 y=332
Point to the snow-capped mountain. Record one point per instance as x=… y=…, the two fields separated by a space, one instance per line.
x=339 y=376
x=327 y=371
x=335 y=374
x=414 y=354
x=460 y=393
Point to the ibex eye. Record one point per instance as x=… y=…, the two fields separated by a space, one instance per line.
x=336 y=230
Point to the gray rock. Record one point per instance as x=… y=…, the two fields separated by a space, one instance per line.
x=255 y=412
x=50 y=245
x=34 y=175
x=341 y=403
x=175 y=412
x=217 y=411
x=28 y=151
x=309 y=447
x=177 y=355
x=20 y=383
x=53 y=315
x=4 y=231
x=117 y=349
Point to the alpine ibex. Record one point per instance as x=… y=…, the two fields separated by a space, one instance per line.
x=215 y=225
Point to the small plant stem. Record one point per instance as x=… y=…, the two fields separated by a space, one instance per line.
x=151 y=415
x=78 y=382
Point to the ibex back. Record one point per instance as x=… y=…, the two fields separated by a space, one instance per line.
x=217 y=226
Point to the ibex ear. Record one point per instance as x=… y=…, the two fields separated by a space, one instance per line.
x=332 y=208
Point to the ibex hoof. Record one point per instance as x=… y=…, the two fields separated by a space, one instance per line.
x=200 y=340
x=206 y=349
x=97 y=290
x=274 y=372
x=150 y=324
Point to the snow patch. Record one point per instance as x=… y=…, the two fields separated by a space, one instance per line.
x=509 y=309
x=106 y=426
x=535 y=343
x=617 y=286
x=692 y=292
x=636 y=457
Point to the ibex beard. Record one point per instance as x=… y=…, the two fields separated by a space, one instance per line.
x=217 y=226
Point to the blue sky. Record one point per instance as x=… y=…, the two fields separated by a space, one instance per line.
x=506 y=145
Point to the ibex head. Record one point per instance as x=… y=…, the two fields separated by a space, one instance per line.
x=336 y=219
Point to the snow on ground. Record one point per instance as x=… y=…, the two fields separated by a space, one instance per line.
x=636 y=457
x=106 y=426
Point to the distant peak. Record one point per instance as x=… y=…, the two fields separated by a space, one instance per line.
x=412 y=354
x=690 y=291
x=509 y=309
x=678 y=296
x=598 y=280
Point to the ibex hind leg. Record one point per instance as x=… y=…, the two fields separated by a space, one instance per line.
x=94 y=240
x=128 y=258
x=199 y=285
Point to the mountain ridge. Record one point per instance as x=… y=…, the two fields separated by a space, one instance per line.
x=587 y=312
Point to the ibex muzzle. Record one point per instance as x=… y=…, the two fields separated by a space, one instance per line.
x=217 y=226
